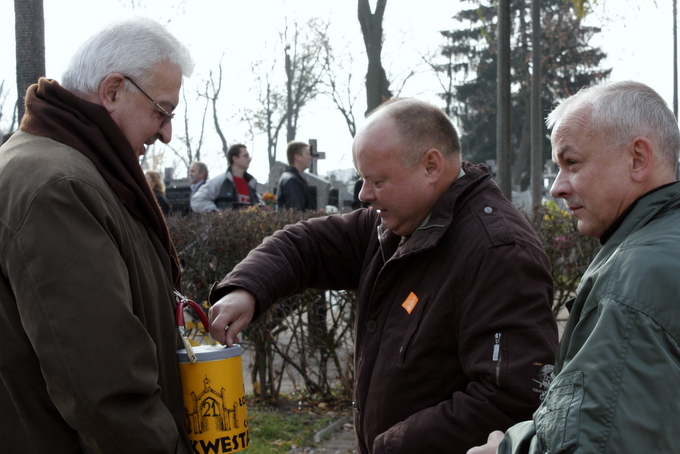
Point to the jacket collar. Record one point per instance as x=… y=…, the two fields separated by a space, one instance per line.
x=429 y=234
x=652 y=205
x=294 y=171
x=614 y=227
x=246 y=175
x=642 y=211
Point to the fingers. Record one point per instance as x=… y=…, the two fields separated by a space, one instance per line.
x=495 y=437
x=230 y=315
x=491 y=445
x=231 y=334
x=221 y=316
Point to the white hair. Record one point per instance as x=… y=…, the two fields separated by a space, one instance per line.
x=621 y=111
x=133 y=47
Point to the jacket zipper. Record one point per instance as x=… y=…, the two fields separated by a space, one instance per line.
x=380 y=242
x=497 y=357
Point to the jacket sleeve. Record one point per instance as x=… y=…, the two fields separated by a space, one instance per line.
x=204 y=198
x=291 y=260
x=619 y=384
x=507 y=338
x=520 y=439
x=72 y=290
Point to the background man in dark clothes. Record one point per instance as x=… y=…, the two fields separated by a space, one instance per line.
x=294 y=192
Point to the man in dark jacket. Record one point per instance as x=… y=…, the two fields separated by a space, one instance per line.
x=294 y=192
x=454 y=328
x=88 y=362
x=618 y=369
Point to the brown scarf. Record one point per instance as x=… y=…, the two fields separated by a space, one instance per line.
x=56 y=113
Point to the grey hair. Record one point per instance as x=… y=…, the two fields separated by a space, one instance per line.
x=621 y=111
x=133 y=47
x=201 y=167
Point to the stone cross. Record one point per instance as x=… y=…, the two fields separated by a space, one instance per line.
x=315 y=156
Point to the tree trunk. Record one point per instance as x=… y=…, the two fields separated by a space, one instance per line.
x=536 y=115
x=523 y=152
x=290 y=76
x=377 y=85
x=675 y=58
x=30 y=47
x=503 y=131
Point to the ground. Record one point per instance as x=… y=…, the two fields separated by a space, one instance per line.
x=300 y=425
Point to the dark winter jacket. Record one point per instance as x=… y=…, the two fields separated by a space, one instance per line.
x=454 y=330
x=294 y=192
x=88 y=360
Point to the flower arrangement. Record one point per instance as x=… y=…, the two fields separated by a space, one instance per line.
x=269 y=199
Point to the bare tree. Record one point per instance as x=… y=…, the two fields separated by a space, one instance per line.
x=212 y=93
x=304 y=56
x=4 y=94
x=341 y=92
x=191 y=152
x=341 y=88
x=377 y=85
x=30 y=46
x=503 y=132
x=675 y=58
x=445 y=76
x=536 y=114
x=271 y=116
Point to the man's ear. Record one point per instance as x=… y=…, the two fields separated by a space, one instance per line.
x=434 y=163
x=110 y=90
x=642 y=152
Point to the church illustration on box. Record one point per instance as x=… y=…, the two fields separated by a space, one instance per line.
x=208 y=406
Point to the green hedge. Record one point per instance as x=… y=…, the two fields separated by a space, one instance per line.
x=293 y=333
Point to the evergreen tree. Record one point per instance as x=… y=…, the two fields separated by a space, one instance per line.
x=568 y=64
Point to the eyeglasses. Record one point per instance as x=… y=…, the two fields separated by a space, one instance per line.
x=168 y=116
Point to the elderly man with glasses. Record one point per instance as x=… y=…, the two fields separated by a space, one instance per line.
x=88 y=269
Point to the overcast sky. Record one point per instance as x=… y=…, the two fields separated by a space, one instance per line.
x=637 y=36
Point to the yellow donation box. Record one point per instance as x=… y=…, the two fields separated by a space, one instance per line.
x=215 y=413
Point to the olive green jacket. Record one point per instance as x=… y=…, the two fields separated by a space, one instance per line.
x=617 y=374
x=88 y=360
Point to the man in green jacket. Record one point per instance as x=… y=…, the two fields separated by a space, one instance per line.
x=616 y=380
x=87 y=268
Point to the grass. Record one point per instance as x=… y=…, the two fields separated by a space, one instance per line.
x=293 y=423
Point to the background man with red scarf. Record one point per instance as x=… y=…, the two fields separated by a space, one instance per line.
x=87 y=265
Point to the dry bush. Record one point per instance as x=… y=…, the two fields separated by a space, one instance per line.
x=569 y=251
x=312 y=333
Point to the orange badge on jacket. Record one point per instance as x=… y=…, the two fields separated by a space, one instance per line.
x=410 y=302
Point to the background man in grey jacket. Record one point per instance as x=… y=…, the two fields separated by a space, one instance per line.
x=454 y=327
x=87 y=268
x=235 y=188
x=617 y=373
